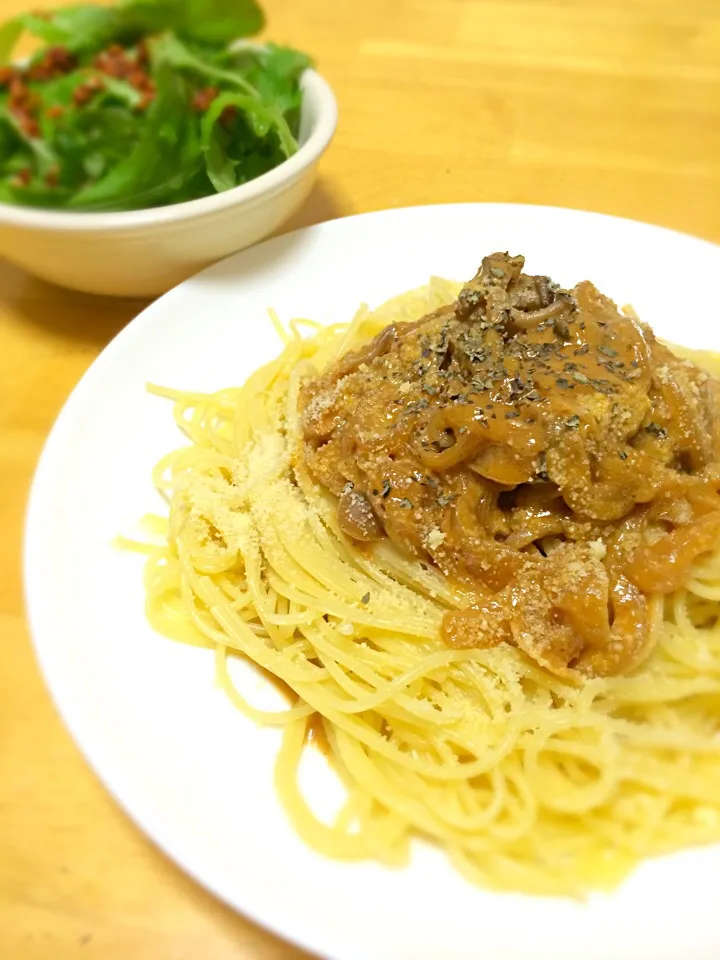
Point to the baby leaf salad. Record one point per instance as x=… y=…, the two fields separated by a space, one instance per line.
x=142 y=104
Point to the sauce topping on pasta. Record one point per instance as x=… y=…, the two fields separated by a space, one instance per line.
x=540 y=447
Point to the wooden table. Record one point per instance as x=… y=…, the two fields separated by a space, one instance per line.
x=609 y=105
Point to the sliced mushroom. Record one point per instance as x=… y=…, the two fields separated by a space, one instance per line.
x=357 y=518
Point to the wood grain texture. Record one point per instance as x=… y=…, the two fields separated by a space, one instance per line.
x=610 y=105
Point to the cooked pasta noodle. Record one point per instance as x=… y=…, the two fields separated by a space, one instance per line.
x=529 y=781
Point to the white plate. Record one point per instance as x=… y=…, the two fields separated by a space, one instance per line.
x=191 y=770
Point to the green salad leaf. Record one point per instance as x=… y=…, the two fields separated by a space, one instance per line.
x=232 y=155
x=77 y=28
x=212 y=22
x=274 y=71
x=166 y=158
x=168 y=49
x=145 y=103
x=10 y=33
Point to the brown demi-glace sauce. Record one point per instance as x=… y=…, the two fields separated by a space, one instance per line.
x=544 y=450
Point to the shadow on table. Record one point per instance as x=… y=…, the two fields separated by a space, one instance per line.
x=326 y=202
x=65 y=314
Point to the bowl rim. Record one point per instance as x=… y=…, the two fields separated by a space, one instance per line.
x=321 y=133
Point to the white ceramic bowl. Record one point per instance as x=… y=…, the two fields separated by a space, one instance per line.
x=146 y=252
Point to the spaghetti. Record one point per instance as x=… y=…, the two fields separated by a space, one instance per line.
x=531 y=779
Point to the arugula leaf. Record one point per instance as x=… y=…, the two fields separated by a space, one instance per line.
x=41 y=152
x=260 y=117
x=15 y=155
x=9 y=140
x=80 y=29
x=169 y=50
x=221 y=169
x=10 y=33
x=58 y=92
x=275 y=73
x=220 y=21
x=114 y=89
x=93 y=141
x=214 y=22
x=261 y=141
x=89 y=27
x=165 y=160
